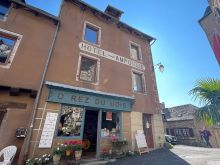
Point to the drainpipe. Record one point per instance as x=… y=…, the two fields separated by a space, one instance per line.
x=34 y=110
x=39 y=91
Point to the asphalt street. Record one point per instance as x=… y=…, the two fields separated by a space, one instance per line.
x=179 y=155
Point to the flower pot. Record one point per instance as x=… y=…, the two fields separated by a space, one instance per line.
x=68 y=152
x=78 y=155
x=56 y=159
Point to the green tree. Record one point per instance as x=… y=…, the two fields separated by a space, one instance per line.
x=207 y=91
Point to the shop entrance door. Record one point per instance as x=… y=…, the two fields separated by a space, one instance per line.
x=90 y=134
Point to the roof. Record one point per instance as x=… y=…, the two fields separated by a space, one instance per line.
x=109 y=18
x=36 y=10
x=182 y=112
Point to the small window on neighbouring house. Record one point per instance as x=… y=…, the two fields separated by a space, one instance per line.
x=4 y=7
x=135 y=52
x=88 y=69
x=6 y=46
x=91 y=34
x=138 y=82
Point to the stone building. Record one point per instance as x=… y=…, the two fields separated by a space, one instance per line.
x=180 y=121
x=89 y=76
x=25 y=40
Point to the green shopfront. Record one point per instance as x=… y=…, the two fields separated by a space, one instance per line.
x=91 y=116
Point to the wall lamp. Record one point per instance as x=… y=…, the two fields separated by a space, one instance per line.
x=160 y=66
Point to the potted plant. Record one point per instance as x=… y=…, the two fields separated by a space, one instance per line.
x=57 y=152
x=78 y=151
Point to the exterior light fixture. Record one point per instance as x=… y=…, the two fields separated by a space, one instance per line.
x=160 y=66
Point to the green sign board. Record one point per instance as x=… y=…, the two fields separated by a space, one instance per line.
x=88 y=99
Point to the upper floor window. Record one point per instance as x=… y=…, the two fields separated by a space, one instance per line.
x=138 y=82
x=88 y=69
x=9 y=42
x=4 y=7
x=135 y=51
x=91 y=33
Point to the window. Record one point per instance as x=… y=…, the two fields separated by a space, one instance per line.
x=4 y=7
x=6 y=46
x=135 y=51
x=70 y=121
x=91 y=33
x=138 y=82
x=9 y=43
x=88 y=69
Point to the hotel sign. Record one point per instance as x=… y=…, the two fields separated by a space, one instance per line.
x=89 y=99
x=111 y=56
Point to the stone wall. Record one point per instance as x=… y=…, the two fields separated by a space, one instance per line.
x=158 y=130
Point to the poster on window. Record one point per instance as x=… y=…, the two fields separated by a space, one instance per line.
x=48 y=130
x=109 y=116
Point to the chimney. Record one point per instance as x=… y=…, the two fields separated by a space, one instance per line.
x=113 y=12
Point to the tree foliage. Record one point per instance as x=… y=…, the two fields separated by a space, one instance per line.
x=207 y=91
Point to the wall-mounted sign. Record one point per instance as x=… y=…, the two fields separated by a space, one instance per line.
x=111 y=56
x=89 y=99
x=48 y=130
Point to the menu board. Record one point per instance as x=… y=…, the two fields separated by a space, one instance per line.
x=48 y=130
x=141 y=142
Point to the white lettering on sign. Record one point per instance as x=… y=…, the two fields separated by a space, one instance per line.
x=111 y=56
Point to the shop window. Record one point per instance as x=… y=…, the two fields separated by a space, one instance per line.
x=110 y=124
x=92 y=33
x=8 y=45
x=4 y=7
x=138 y=82
x=70 y=123
x=135 y=51
x=88 y=69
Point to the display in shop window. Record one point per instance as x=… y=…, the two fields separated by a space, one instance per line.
x=70 y=121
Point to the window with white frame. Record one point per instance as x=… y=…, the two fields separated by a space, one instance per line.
x=4 y=7
x=138 y=82
x=135 y=51
x=92 y=33
x=88 y=69
x=9 y=42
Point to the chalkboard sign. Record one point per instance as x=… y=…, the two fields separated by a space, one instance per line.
x=141 y=142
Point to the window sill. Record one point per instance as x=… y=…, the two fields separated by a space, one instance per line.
x=88 y=82
x=98 y=44
x=142 y=93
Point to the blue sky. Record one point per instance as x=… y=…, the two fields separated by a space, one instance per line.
x=181 y=44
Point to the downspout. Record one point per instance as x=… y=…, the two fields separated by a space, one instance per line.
x=39 y=91
x=41 y=86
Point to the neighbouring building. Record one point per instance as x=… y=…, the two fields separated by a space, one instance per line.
x=210 y=23
x=25 y=40
x=180 y=121
x=91 y=76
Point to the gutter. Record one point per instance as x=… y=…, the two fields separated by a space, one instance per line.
x=27 y=145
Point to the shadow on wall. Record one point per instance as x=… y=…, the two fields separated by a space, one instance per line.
x=157 y=157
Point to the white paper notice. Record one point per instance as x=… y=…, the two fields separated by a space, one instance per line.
x=48 y=130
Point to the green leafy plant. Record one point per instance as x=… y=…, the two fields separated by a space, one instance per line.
x=207 y=91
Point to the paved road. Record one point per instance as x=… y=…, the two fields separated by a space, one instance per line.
x=198 y=155
x=180 y=155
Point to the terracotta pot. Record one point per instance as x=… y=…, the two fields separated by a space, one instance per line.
x=68 y=152
x=56 y=159
x=78 y=155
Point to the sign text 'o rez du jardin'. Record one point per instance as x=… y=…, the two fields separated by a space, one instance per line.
x=111 y=56
x=75 y=98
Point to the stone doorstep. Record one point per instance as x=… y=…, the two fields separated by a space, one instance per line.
x=95 y=161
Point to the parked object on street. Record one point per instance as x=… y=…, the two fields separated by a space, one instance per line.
x=171 y=139
x=8 y=154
